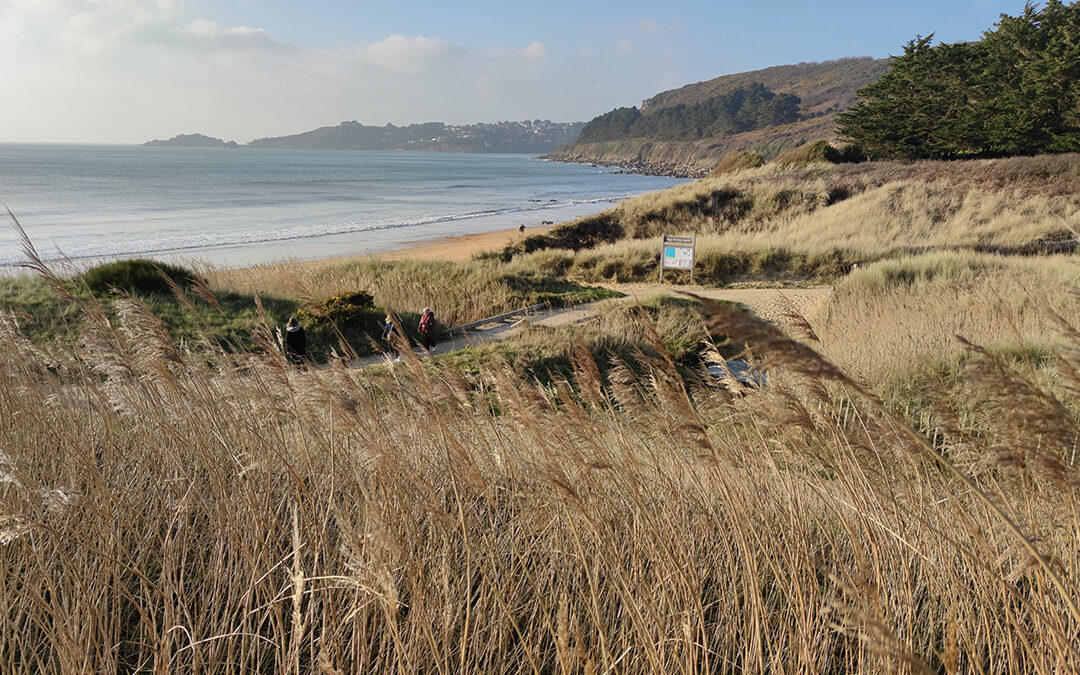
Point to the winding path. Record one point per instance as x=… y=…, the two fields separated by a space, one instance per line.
x=771 y=304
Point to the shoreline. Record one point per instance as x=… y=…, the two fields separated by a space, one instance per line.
x=449 y=248
x=457 y=248
x=634 y=167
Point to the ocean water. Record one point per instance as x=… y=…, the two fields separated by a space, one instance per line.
x=242 y=207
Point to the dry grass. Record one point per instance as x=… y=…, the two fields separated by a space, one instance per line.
x=914 y=215
x=888 y=319
x=161 y=514
x=461 y=291
x=736 y=161
x=867 y=210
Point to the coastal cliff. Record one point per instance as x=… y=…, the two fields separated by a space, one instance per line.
x=687 y=131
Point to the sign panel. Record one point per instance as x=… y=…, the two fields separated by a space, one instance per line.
x=678 y=257
x=677 y=253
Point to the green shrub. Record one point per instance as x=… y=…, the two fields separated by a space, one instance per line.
x=588 y=232
x=137 y=275
x=851 y=153
x=339 y=309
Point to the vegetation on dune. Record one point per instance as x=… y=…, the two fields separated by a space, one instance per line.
x=1014 y=92
x=459 y=292
x=582 y=498
x=227 y=307
x=137 y=276
x=818 y=152
x=815 y=220
x=620 y=337
x=890 y=318
x=737 y=161
x=596 y=504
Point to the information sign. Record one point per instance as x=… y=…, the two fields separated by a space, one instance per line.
x=677 y=254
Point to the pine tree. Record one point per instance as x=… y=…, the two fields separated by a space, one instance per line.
x=1016 y=91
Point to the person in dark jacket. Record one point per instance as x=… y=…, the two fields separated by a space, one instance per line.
x=295 y=341
x=427 y=329
x=390 y=335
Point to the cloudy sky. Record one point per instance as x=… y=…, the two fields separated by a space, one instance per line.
x=125 y=71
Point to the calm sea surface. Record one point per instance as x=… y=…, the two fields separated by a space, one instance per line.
x=240 y=207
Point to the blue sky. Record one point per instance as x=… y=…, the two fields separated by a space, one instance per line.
x=129 y=70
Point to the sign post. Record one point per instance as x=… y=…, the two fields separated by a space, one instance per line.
x=677 y=253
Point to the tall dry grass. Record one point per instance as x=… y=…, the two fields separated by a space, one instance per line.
x=160 y=511
x=891 y=318
x=461 y=291
x=913 y=214
x=870 y=209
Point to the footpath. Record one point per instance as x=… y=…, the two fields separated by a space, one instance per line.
x=771 y=304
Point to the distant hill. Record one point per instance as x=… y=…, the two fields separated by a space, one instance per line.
x=669 y=135
x=192 y=141
x=536 y=136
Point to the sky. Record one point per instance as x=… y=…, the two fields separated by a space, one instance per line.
x=127 y=71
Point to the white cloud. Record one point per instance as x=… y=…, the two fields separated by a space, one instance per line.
x=407 y=54
x=534 y=50
x=214 y=36
x=131 y=70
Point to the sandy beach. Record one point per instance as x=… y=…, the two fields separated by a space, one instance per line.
x=463 y=247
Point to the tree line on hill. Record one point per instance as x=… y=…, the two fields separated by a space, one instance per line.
x=1014 y=92
x=742 y=109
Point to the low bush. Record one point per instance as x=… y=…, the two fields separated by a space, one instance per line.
x=737 y=161
x=588 y=232
x=817 y=152
x=339 y=309
x=137 y=276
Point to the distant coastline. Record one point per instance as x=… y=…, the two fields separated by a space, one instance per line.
x=527 y=137
x=193 y=141
x=351 y=136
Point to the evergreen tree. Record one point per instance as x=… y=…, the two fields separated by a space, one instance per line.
x=1016 y=91
x=742 y=109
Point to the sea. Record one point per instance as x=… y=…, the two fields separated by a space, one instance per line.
x=230 y=208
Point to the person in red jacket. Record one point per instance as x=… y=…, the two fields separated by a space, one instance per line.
x=427 y=329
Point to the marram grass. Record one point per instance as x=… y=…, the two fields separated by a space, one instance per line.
x=163 y=512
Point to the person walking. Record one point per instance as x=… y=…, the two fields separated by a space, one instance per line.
x=389 y=335
x=295 y=342
x=427 y=330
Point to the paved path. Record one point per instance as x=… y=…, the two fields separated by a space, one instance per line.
x=772 y=304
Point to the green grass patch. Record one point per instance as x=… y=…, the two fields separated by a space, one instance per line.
x=136 y=276
x=345 y=323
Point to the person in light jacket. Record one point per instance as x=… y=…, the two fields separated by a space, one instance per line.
x=389 y=335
